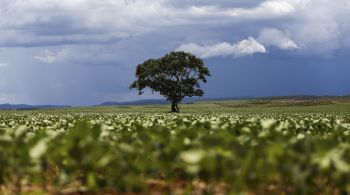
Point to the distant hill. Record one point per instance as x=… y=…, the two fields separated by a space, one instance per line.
x=192 y=100
x=163 y=101
x=305 y=97
x=29 y=107
x=137 y=102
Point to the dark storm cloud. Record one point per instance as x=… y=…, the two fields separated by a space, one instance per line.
x=85 y=51
x=54 y=22
x=68 y=22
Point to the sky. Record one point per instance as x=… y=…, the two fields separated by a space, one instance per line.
x=84 y=52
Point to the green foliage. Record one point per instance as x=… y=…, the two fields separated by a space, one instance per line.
x=174 y=76
x=203 y=153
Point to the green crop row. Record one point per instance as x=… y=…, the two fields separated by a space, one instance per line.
x=193 y=153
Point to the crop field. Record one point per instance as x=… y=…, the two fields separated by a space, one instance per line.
x=70 y=152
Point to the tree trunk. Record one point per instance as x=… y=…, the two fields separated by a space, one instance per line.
x=177 y=107
x=174 y=107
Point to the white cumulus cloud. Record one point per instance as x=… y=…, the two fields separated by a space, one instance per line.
x=267 y=9
x=321 y=26
x=277 y=38
x=243 y=48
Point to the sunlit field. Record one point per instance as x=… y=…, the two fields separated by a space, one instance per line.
x=174 y=97
x=288 y=149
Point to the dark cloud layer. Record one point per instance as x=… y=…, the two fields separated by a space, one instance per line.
x=85 y=51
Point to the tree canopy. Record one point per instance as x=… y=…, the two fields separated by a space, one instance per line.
x=175 y=76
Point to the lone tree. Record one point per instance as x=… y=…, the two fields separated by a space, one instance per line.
x=175 y=76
